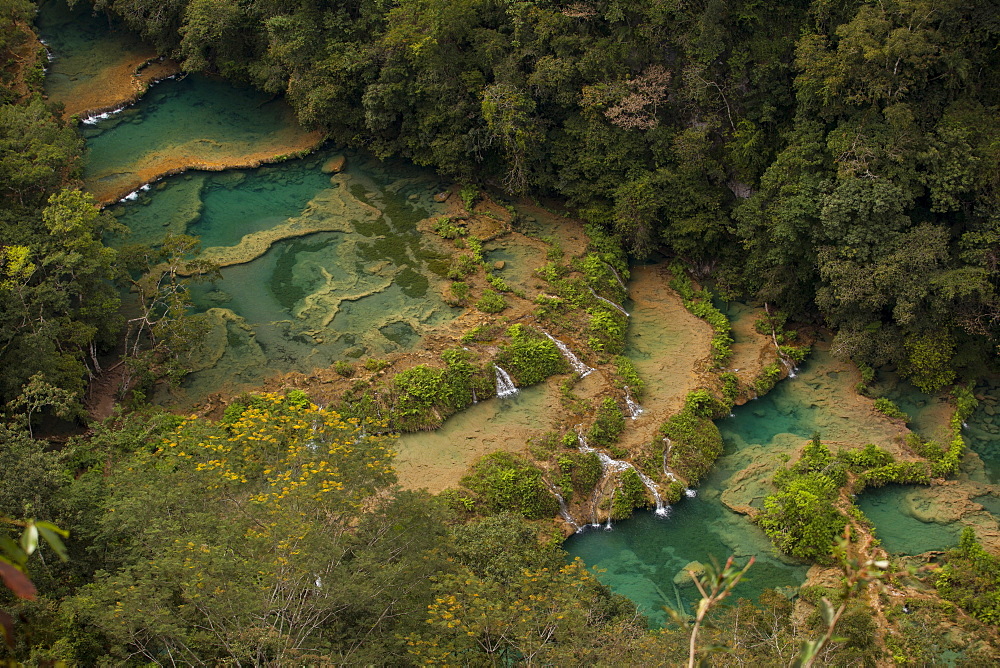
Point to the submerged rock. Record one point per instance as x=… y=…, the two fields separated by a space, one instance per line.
x=334 y=165
x=683 y=576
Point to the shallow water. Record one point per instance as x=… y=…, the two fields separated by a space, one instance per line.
x=348 y=276
x=642 y=555
x=91 y=52
x=983 y=431
x=889 y=509
x=437 y=460
x=192 y=122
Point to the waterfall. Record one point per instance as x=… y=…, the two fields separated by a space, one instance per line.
x=608 y=301
x=666 y=453
x=505 y=386
x=634 y=409
x=788 y=365
x=619 y=278
x=563 y=509
x=474 y=400
x=662 y=510
x=611 y=505
x=690 y=493
x=617 y=466
x=578 y=366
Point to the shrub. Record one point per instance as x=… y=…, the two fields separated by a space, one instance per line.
x=767 y=378
x=491 y=302
x=498 y=283
x=530 y=357
x=802 y=519
x=342 y=368
x=730 y=385
x=462 y=266
x=460 y=290
x=506 y=483
x=630 y=494
x=609 y=422
x=447 y=230
x=470 y=195
x=696 y=443
x=628 y=375
x=374 y=364
x=889 y=408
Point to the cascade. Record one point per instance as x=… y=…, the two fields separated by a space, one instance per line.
x=474 y=400
x=666 y=454
x=505 y=386
x=788 y=365
x=617 y=465
x=634 y=409
x=573 y=360
x=563 y=508
x=662 y=510
x=690 y=493
x=619 y=278
x=607 y=525
x=608 y=301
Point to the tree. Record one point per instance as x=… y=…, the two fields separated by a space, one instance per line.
x=270 y=540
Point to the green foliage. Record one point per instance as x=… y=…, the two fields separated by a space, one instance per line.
x=695 y=444
x=609 y=422
x=607 y=331
x=767 y=378
x=579 y=473
x=699 y=303
x=482 y=332
x=929 y=360
x=491 y=302
x=497 y=282
x=505 y=483
x=342 y=368
x=460 y=291
x=447 y=230
x=801 y=519
x=970 y=578
x=889 y=408
x=462 y=266
x=530 y=357
x=871 y=456
x=703 y=404
x=470 y=195
x=629 y=495
x=731 y=389
x=375 y=365
x=627 y=376
x=476 y=246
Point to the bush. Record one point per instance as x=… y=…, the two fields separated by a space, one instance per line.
x=696 y=443
x=628 y=376
x=462 y=266
x=373 y=364
x=460 y=291
x=609 y=422
x=530 y=357
x=342 y=368
x=504 y=482
x=802 y=519
x=491 y=302
x=889 y=408
x=630 y=494
x=767 y=378
x=447 y=230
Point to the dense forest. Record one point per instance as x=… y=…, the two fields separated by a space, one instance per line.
x=837 y=162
